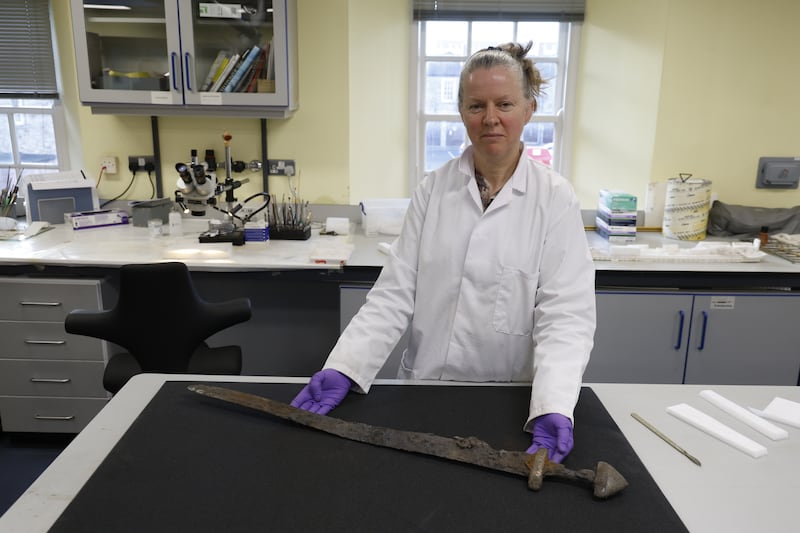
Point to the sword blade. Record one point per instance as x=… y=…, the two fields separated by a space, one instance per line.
x=470 y=450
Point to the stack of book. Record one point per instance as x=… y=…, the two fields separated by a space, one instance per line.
x=239 y=71
x=616 y=216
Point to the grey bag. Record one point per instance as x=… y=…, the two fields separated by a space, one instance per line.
x=725 y=220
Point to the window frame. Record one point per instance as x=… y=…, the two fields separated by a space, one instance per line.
x=561 y=118
x=45 y=86
x=56 y=112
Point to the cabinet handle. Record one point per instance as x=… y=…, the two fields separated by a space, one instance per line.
x=44 y=342
x=680 y=330
x=40 y=304
x=173 y=76
x=61 y=418
x=703 y=332
x=50 y=380
x=188 y=77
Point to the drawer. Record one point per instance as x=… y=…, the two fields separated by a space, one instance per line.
x=52 y=378
x=48 y=415
x=47 y=299
x=47 y=340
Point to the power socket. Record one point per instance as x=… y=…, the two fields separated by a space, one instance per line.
x=141 y=163
x=110 y=164
x=281 y=167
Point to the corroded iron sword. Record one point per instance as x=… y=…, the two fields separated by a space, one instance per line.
x=604 y=478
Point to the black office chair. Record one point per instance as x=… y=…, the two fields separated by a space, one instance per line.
x=163 y=324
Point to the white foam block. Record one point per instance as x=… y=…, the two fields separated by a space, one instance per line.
x=716 y=429
x=743 y=415
x=781 y=410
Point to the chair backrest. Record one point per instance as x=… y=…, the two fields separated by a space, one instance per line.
x=160 y=319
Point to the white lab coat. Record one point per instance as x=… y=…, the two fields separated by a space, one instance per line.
x=501 y=295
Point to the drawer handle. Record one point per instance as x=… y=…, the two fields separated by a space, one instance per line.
x=59 y=418
x=50 y=380
x=680 y=331
x=45 y=342
x=41 y=304
x=703 y=332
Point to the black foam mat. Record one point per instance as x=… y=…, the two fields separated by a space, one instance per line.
x=190 y=463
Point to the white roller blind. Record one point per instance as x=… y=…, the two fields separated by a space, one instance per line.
x=538 y=10
x=27 y=69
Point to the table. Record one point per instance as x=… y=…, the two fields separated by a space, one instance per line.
x=731 y=492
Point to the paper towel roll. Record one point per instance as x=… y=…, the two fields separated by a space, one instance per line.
x=686 y=208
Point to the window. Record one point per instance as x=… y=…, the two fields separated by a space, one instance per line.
x=443 y=47
x=30 y=112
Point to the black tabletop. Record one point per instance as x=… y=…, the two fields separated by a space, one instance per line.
x=189 y=463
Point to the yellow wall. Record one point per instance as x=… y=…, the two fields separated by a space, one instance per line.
x=698 y=86
x=664 y=86
x=353 y=89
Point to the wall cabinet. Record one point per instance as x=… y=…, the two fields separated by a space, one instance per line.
x=696 y=337
x=155 y=57
x=50 y=381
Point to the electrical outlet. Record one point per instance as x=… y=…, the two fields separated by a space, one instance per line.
x=110 y=164
x=141 y=163
x=281 y=167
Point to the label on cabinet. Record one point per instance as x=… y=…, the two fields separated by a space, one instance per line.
x=161 y=97
x=723 y=302
x=211 y=98
x=215 y=10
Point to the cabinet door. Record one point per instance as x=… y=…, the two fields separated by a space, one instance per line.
x=253 y=31
x=351 y=298
x=744 y=339
x=128 y=56
x=640 y=337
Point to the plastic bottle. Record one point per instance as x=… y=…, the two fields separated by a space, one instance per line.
x=175 y=222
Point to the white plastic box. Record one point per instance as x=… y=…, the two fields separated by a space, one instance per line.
x=383 y=215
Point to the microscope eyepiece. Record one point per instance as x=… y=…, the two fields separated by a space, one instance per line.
x=183 y=172
x=199 y=174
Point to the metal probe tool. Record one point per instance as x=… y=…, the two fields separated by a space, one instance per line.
x=666 y=439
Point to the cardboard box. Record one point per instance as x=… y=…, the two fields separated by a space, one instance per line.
x=617 y=200
x=96 y=219
x=147 y=209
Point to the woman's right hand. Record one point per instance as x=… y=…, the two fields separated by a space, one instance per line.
x=325 y=390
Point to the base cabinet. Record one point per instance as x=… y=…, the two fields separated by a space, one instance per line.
x=50 y=381
x=640 y=338
x=742 y=338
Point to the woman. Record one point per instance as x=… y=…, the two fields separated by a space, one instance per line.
x=491 y=272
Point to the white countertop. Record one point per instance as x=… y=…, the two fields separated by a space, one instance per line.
x=730 y=492
x=117 y=245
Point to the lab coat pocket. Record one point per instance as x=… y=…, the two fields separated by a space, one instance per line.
x=513 y=309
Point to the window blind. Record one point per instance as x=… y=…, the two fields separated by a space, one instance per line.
x=529 y=10
x=27 y=69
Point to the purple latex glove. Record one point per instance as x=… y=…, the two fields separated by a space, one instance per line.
x=554 y=432
x=325 y=390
